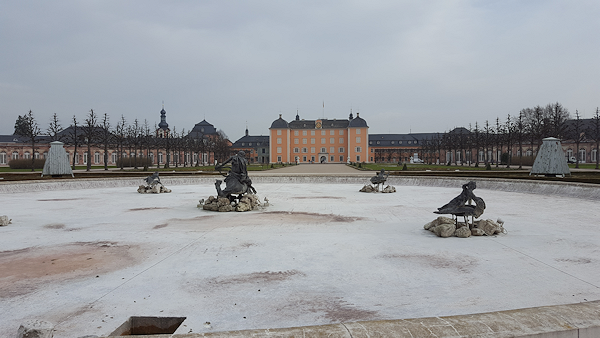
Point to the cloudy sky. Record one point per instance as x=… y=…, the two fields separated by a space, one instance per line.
x=420 y=66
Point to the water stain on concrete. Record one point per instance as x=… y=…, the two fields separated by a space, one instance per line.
x=54 y=226
x=462 y=264
x=252 y=278
x=59 y=199
x=331 y=309
x=160 y=226
x=26 y=270
x=311 y=217
x=144 y=209
x=574 y=260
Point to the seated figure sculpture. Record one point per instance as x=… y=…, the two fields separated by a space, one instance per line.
x=237 y=181
x=380 y=178
x=461 y=204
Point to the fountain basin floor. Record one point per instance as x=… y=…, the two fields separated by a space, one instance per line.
x=88 y=259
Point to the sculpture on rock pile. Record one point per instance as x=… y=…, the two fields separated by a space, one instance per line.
x=238 y=195
x=153 y=185
x=376 y=181
x=461 y=204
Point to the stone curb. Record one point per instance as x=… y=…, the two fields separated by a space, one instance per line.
x=580 y=320
x=565 y=189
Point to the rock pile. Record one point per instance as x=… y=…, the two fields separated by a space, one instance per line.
x=245 y=203
x=375 y=188
x=446 y=227
x=153 y=189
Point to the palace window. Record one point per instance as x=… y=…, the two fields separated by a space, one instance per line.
x=358 y=139
x=332 y=150
x=279 y=132
x=341 y=140
x=96 y=157
x=322 y=132
x=296 y=150
x=3 y=157
x=305 y=150
x=295 y=133
x=312 y=133
x=279 y=140
x=323 y=140
x=323 y=149
x=312 y=150
x=304 y=141
x=358 y=149
x=341 y=150
x=304 y=133
x=332 y=132
x=332 y=140
x=27 y=155
x=358 y=131
x=296 y=141
x=279 y=150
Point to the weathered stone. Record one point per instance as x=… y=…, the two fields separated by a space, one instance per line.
x=463 y=232
x=226 y=208
x=369 y=188
x=141 y=189
x=438 y=221
x=4 y=220
x=489 y=227
x=477 y=232
x=243 y=207
x=35 y=329
x=445 y=230
x=389 y=189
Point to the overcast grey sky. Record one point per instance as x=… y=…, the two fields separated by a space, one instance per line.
x=424 y=66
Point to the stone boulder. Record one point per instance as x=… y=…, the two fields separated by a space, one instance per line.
x=4 y=220
x=463 y=232
x=438 y=221
x=477 y=232
x=389 y=189
x=153 y=189
x=445 y=230
x=489 y=227
x=369 y=188
x=35 y=329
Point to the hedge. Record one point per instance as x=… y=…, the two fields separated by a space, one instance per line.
x=26 y=164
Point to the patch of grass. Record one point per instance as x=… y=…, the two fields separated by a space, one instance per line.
x=583 y=165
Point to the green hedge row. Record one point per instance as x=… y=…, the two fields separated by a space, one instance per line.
x=26 y=164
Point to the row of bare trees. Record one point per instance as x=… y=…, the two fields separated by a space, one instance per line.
x=137 y=139
x=493 y=143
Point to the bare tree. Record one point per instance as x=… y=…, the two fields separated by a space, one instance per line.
x=577 y=134
x=520 y=131
x=90 y=134
x=557 y=116
x=510 y=129
x=54 y=129
x=106 y=138
x=27 y=127
x=121 y=135
x=74 y=139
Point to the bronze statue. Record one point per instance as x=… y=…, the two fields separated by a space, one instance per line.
x=153 y=179
x=380 y=178
x=237 y=181
x=461 y=204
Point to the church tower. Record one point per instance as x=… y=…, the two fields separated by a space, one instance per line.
x=163 y=127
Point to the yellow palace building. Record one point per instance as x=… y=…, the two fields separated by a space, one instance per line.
x=319 y=141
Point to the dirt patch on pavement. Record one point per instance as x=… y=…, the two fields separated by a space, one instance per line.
x=462 y=264
x=574 y=260
x=333 y=309
x=54 y=226
x=23 y=271
x=255 y=277
x=310 y=217
x=59 y=199
x=143 y=209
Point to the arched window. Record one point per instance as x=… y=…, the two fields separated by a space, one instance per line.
x=15 y=155
x=27 y=155
x=96 y=157
x=3 y=157
x=594 y=155
x=114 y=157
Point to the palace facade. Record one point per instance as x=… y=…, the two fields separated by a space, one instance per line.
x=319 y=141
